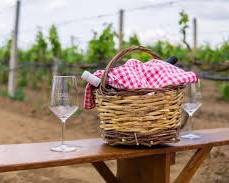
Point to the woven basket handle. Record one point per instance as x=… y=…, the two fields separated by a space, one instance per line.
x=119 y=56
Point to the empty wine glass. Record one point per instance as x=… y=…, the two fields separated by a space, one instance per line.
x=64 y=103
x=191 y=105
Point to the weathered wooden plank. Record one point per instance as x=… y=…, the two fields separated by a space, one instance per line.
x=38 y=155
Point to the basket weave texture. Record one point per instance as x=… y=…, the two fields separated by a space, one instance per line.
x=141 y=116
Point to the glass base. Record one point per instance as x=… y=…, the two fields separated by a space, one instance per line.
x=63 y=148
x=191 y=136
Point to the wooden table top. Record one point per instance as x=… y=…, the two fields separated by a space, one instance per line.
x=38 y=155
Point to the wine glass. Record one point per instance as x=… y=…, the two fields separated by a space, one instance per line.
x=64 y=103
x=191 y=105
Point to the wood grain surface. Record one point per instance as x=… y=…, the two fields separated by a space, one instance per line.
x=38 y=155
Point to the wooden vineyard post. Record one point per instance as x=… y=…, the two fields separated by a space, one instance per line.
x=121 y=22
x=13 y=54
x=55 y=66
x=194 y=34
x=194 y=47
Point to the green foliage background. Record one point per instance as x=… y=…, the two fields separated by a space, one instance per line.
x=102 y=47
x=36 y=62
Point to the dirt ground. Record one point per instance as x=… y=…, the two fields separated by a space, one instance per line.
x=31 y=121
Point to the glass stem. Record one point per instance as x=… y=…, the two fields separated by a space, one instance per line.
x=62 y=132
x=190 y=124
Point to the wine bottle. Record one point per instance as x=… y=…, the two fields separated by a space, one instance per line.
x=172 y=60
x=90 y=78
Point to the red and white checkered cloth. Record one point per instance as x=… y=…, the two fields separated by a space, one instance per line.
x=154 y=74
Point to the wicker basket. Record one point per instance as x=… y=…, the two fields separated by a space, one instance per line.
x=138 y=117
